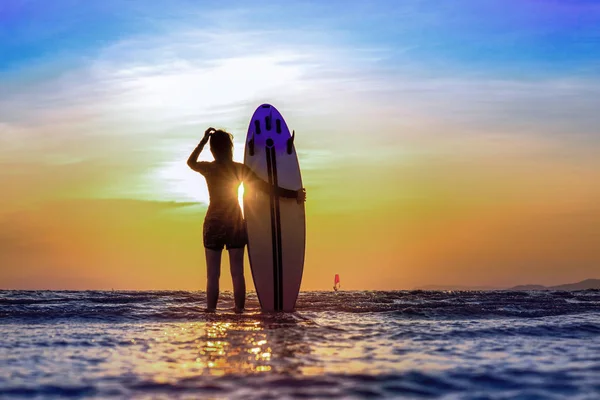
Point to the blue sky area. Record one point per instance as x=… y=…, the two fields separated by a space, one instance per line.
x=507 y=37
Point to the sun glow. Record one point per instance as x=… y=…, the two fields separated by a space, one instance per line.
x=175 y=181
x=180 y=183
x=241 y=197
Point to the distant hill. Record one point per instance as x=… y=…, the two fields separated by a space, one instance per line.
x=583 y=285
x=528 y=287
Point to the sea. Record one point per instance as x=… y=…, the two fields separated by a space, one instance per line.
x=347 y=344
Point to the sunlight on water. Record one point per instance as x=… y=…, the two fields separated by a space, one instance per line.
x=178 y=351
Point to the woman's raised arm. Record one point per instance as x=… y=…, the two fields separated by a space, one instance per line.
x=192 y=161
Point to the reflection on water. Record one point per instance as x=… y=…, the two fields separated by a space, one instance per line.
x=350 y=344
x=233 y=348
x=228 y=345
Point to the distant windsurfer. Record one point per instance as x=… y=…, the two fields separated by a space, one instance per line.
x=336 y=282
x=224 y=226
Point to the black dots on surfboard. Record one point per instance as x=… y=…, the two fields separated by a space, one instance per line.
x=257 y=126
x=270 y=142
x=251 y=146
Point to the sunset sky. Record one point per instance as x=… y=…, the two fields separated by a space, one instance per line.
x=441 y=142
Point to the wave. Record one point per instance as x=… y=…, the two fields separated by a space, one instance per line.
x=181 y=305
x=461 y=383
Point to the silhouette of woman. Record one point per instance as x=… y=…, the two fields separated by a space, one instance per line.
x=224 y=226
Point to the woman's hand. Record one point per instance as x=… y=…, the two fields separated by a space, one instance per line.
x=208 y=133
x=301 y=197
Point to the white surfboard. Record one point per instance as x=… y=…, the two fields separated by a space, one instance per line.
x=276 y=226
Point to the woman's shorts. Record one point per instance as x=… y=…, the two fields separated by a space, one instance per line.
x=219 y=233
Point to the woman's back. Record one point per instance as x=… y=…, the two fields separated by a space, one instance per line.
x=223 y=180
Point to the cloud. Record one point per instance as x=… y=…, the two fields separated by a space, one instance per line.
x=180 y=74
x=131 y=110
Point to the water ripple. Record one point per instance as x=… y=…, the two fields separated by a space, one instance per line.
x=414 y=344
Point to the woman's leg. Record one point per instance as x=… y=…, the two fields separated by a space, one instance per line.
x=236 y=264
x=213 y=271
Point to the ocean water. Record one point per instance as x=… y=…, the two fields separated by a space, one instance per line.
x=411 y=344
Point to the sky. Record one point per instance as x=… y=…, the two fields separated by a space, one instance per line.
x=449 y=142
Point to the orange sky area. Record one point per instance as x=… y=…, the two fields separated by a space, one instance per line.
x=496 y=220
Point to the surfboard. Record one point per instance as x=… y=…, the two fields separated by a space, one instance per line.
x=276 y=226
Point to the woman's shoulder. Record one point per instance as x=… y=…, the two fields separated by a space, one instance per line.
x=241 y=170
x=230 y=166
x=239 y=166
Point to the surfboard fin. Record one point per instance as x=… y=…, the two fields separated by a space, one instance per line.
x=251 y=145
x=290 y=143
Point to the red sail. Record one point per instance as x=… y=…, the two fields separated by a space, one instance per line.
x=337 y=279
